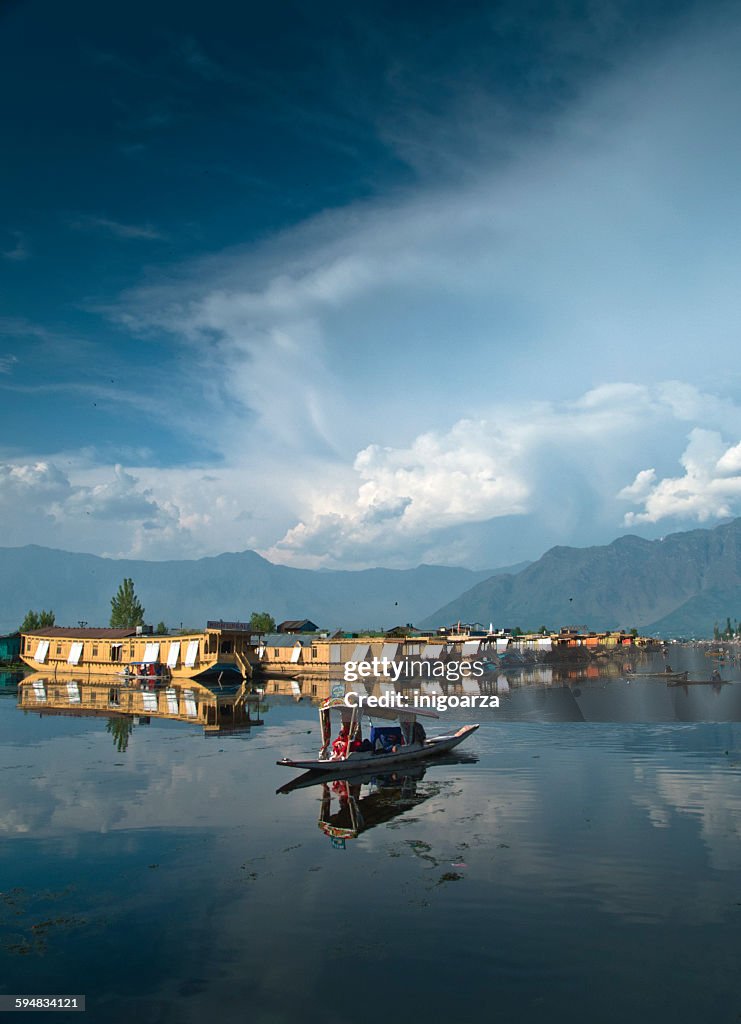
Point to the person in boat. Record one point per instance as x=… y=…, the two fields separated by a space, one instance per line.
x=715 y=677
x=668 y=668
x=418 y=733
x=340 y=745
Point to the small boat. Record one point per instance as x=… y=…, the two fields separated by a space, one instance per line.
x=680 y=676
x=386 y=745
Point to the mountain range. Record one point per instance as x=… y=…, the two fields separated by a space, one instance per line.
x=79 y=587
x=680 y=585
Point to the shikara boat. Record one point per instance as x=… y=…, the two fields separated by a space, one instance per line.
x=679 y=676
x=386 y=745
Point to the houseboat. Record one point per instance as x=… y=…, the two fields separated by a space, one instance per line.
x=221 y=647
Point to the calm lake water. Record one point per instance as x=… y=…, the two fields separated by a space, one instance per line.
x=586 y=867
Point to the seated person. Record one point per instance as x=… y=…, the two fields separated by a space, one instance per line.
x=418 y=734
x=340 y=745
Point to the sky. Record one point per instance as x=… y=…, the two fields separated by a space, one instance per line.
x=368 y=284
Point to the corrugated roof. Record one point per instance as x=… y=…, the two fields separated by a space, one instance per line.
x=284 y=640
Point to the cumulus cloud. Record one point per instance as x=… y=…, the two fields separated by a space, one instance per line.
x=43 y=503
x=520 y=462
x=710 y=487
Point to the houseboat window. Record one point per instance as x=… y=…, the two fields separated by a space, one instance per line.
x=314 y=652
x=226 y=647
x=93 y=696
x=276 y=652
x=116 y=652
x=276 y=687
x=313 y=689
x=59 y=648
x=95 y=650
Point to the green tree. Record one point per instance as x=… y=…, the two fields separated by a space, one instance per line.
x=161 y=629
x=262 y=622
x=126 y=608
x=37 y=620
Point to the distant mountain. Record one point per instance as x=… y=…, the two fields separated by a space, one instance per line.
x=679 y=585
x=230 y=586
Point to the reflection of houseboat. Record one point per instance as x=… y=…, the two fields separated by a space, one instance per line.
x=217 y=710
x=221 y=647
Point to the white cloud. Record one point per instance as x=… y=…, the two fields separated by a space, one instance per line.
x=707 y=490
x=19 y=251
x=117 y=228
x=521 y=461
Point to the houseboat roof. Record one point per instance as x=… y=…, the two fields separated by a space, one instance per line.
x=284 y=640
x=84 y=633
x=297 y=625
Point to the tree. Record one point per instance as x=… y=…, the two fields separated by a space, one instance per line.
x=161 y=629
x=37 y=620
x=262 y=622
x=126 y=608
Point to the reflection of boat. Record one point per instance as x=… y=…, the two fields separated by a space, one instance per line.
x=352 y=774
x=217 y=710
x=387 y=745
x=698 y=682
x=346 y=811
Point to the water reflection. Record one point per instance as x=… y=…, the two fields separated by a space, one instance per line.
x=615 y=688
x=218 y=709
x=355 y=804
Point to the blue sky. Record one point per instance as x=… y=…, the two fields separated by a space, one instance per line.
x=368 y=284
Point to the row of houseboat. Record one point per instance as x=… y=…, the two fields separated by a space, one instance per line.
x=232 y=647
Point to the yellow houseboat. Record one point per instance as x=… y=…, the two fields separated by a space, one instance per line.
x=221 y=647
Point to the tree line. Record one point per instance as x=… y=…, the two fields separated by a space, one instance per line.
x=127 y=612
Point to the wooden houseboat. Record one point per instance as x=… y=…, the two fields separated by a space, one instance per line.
x=221 y=647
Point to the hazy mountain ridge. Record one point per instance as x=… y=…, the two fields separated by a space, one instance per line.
x=230 y=586
x=680 y=584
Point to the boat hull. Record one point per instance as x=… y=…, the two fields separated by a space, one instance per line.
x=360 y=761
